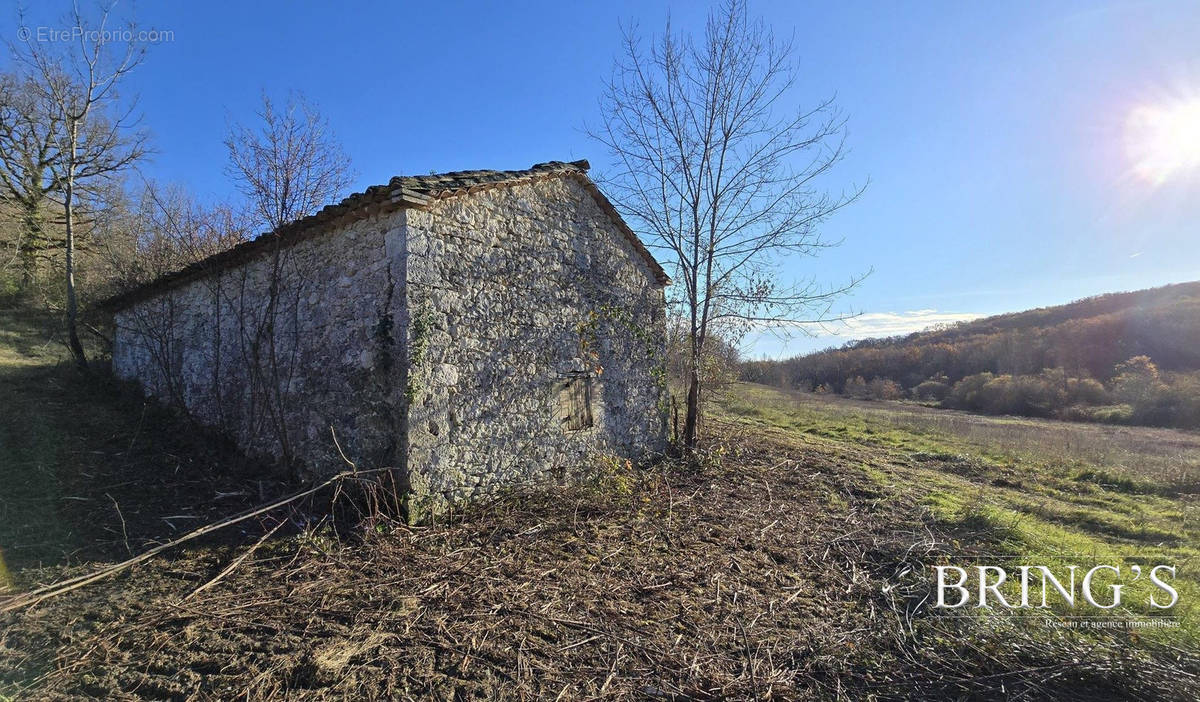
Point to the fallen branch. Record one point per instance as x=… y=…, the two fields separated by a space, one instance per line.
x=236 y=562
x=54 y=589
x=101 y=335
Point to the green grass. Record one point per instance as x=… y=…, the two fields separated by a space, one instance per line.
x=33 y=443
x=1037 y=492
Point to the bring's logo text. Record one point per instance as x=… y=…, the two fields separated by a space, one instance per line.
x=1040 y=587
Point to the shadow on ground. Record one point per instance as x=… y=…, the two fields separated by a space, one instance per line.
x=91 y=471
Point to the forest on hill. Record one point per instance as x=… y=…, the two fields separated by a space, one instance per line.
x=1131 y=357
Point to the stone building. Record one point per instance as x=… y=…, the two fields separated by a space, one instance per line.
x=474 y=329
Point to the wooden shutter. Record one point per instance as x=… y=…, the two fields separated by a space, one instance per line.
x=575 y=402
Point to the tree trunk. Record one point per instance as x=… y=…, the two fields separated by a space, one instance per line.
x=692 y=418
x=28 y=245
x=72 y=304
x=28 y=270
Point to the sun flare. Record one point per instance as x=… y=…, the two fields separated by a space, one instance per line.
x=1163 y=141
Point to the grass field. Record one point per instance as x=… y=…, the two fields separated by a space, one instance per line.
x=1167 y=457
x=793 y=560
x=1051 y=493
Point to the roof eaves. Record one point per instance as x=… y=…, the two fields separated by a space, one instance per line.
x=401 y=192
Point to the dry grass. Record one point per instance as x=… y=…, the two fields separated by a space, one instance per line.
x=89 y=470
x=788 y=564
x=761 y=577
x=1169 y=456
x=1040 y=501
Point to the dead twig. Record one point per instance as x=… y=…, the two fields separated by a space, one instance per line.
x=236 y=562
x=54 y=589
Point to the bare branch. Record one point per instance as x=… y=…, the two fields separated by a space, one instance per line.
x=720 y=173
x=73 y=119
x=290 y=165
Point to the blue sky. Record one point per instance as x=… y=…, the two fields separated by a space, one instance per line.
x=996 y=136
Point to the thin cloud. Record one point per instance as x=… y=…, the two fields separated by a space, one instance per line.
x=876 y=324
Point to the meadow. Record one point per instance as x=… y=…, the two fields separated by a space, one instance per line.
x=1039 y=491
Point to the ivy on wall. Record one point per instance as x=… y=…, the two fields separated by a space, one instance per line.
x=418 y=348
x=644 y=339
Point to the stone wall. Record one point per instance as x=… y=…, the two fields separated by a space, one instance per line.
x=278 y=350
x=513 y=291
x=490 y=339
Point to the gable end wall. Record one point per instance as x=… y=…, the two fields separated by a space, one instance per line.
x=509 y=292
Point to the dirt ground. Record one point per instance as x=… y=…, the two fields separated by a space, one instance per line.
x=781 y=566
x=773 y=571
x=90 y=472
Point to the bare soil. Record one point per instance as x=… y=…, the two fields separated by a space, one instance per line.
x=761 y=575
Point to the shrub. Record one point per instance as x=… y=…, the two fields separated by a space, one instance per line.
x=610 y=475
x=1085 y=391
x=1137 y=382
x=1106 y=414
x=884 y=389
x=1172 y=400
x=967 y=393
x=10 y=289
x=931 y=391
x=856 y=387
x=1184 y=389
x=1031 y=395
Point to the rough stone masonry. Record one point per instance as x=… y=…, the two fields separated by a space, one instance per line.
x=476 y=330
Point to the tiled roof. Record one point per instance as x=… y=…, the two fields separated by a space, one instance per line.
x=399 y=192
x=455 y=182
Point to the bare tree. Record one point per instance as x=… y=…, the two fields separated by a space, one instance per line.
x=162 y=228
x=287 y=167
x=720 y=171
x=290 y=165
x=28 y=149
x=76 y=85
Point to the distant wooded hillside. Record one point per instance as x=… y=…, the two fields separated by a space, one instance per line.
x=1131 y=356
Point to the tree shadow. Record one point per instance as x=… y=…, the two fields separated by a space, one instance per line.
x=91 y=471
